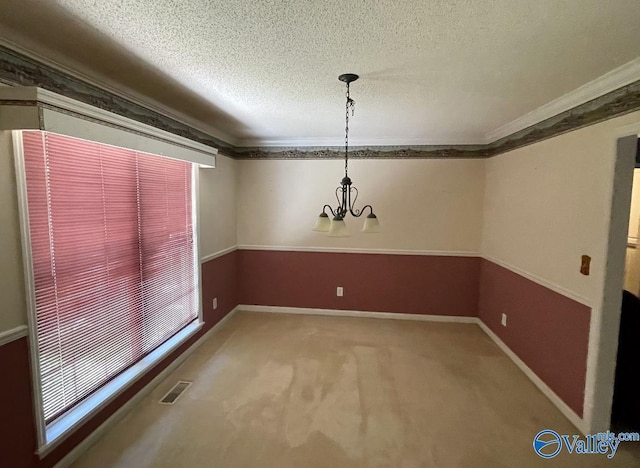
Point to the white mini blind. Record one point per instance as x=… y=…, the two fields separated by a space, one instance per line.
x=113 y=260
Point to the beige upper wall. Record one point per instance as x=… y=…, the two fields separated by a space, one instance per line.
x=218 y=207
x=13 y=308
x=632 y=264
x=424 y=204
x=544 y=206
x=634 y=215
x=549 y=203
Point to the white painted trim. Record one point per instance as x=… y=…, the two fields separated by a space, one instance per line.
x=356 y=313
x=542 y=282
x=324 y=142
x=27 y=264
x=128 y=94
x=83 y=446
x=206 y=154
x=605 y=321
x=537 y=381
x=13 y=334
x=608 y=82
x=59 y=430
x=50 y=436
x=92 y=438
x=435 y=253
x=64 y=102
x=218 y=254
x=617 y=78
x=195 y=229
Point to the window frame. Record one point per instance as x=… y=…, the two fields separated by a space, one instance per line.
x=51 y=435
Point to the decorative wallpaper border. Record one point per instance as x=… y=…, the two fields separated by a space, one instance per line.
x=360 y=152
x=614 y=104
x=18 y=69
x=42 y=105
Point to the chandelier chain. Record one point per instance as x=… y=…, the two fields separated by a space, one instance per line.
x=350 y=105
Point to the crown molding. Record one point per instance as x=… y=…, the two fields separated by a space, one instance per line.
x=621 y=87
x=324 y=142
x=126 y=94
x=49 y=104
x=17 y=69
x=615 y=79
x=617 y=102
x=614 y=104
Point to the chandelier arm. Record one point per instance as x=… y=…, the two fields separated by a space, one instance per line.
x=341 y=210
x=352 y=210
x=359 y=213
x=324 y=208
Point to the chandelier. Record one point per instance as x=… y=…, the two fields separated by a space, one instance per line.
x=346 y=193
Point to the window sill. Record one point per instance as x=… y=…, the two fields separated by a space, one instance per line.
x=62 y=427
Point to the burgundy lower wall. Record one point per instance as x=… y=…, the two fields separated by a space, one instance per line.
x=17 y=428
x=413 y=284
x=548 y=331
x=219 y=279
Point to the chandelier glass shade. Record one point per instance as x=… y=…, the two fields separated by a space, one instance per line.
x=346 y=193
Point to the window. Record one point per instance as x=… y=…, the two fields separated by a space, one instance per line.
x=112 y=257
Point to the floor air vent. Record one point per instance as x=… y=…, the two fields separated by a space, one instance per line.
x=173 y=394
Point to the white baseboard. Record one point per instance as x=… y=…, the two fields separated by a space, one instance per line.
x=537 y=381
x=357 y=313
x=92 y=438
x=127 y=407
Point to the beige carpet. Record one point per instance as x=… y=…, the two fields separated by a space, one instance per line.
x=290 y=391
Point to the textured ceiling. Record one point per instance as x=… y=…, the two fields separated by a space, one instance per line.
x=265 y=72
